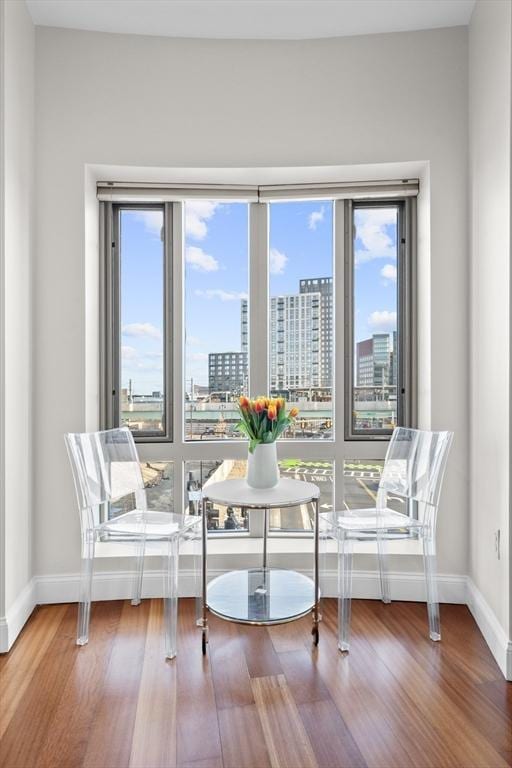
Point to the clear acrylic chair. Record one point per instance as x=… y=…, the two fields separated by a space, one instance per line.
x=413 y=472
x=105 y=469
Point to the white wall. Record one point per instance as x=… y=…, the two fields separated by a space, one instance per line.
x=17 y=151
x=132 y=100
x=490 y=221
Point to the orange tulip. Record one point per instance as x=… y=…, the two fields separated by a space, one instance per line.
x=258 y=406
x=272 y=412
x=244 y=403
x=293 y=412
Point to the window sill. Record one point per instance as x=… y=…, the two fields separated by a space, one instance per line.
x=250 y=546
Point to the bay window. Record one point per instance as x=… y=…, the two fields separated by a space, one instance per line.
x=302 y=292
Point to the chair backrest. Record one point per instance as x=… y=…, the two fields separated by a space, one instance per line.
x=105 y=466
x=415 y=464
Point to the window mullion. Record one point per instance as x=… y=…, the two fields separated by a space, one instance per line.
x=107 y=338
x=114 y=290
x=338 y=384
x=258 y=318
x=169 y=337
x=348 y=316
x=175 y=243
x=408 y=317
x=258 y=299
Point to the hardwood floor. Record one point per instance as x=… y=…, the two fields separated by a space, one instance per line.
x=261 y=698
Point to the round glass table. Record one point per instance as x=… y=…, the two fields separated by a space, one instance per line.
x=263 y=595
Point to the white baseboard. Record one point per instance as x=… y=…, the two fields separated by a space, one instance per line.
x=13 y=622
x=494 y=634
x=409 y=586
x=107 y=585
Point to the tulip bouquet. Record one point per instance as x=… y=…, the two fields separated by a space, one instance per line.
x=263 y=420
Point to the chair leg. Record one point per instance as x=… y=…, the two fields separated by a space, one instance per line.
x=139 y=571
x=383 y=569
x=84 y=605
x=429 y=557
x=197 y=540
x=171 y=598
x=345 y=549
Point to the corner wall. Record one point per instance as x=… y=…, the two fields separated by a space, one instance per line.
x=490 y=59
x=16 y=246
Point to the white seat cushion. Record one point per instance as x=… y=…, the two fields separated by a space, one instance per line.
x=369 y=520
x=149 y=523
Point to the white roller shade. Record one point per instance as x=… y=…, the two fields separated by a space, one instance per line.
x=125 y=192
x=341 y=190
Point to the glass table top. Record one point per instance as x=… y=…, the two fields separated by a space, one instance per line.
x=261 y=595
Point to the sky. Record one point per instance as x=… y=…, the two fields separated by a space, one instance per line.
x=216 y=277
x=375 y=287
x=141 y=300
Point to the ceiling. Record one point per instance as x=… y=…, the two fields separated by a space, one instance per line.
x=251 y=19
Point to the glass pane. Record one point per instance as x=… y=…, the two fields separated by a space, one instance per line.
x=302 y=312
x=158 y=479
x=301 y=518
x=142 y=400
x=374 y=400
x=200 y=473
x=361 y=482
x=216 y=318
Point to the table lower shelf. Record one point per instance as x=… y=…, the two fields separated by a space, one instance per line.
x=261 y=596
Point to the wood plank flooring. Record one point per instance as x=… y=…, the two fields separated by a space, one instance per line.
x=261 y=698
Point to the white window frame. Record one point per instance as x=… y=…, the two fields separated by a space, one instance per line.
x=175 y=448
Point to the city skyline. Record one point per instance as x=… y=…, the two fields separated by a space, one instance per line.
x=216 y=277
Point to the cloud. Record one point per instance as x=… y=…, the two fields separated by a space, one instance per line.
x=315 y=218
x=388 y=272
x=200 y=260
x=133 y=360
x=382 y=320
x=197 y=213
x=370 y=225
x=152 y=220
x=142 y=330
x=277 y=262
x=218 y=293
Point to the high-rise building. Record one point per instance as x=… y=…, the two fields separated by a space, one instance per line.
x=375 y=361
x=323 y=286
x=301 y=336
x=364 y=361
x=381 y=359
x=244 y=326
x=295 y=346
x=227 y=372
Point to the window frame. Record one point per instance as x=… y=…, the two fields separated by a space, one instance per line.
x=173 y=447
x=406 y=316
x=110 y=341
